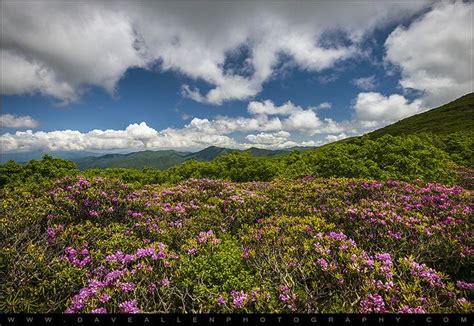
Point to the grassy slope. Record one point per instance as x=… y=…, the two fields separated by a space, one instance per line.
x=456 y=116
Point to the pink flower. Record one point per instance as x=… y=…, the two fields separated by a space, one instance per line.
x=130 y=307
x=465 y=285
x=104 y=298
x=100 y=310
x=239 y=298
x=165 y=282
x=373 y=303
x=323 y=263
x=220 y=300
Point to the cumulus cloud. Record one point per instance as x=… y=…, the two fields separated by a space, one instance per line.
x=269 y=125
x=135 y=136
x=294 y=117
x=435 y=53
x=365 y=83
x=375 y=109
x=276 y=138
x=17 y=122
x=60 y=49
x=333 y=138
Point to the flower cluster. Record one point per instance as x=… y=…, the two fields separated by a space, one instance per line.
x=427 y=274
x=78 y=257
x=306 y=245
x=373 y=303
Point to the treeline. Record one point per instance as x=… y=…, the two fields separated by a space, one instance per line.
x=424 y=156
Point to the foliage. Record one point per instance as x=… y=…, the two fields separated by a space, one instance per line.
x=304 y=245
x=456 y=116
x=35 y=171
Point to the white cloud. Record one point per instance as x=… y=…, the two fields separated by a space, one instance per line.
x=374 y=109
x=268 y=108
x=333 y=138
x=325 y=105
x=297 y=118
x=135 y=136
x=365 y=83
x=13 y=121
x=435 y=53
x=303 y=120
x=271 y=123
x=60 y=49
x=22 y=76
x=263 y=138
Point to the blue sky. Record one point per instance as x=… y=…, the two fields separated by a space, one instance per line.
x=184 y=85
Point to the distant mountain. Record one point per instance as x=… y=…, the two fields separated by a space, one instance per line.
x=210 y=153
x=155 y=159
x=167 y=158
x=456 y=116
x=37 y=155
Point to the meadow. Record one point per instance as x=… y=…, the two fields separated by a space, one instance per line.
x=98 y=245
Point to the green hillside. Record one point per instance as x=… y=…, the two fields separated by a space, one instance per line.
x=167 y=158
x=155 y=159
x=209 y=153
x=456 y=116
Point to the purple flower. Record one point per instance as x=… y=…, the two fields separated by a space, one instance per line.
x=100 y=310
x=165 y=282
x=130 y=307
x=337 y=236
x=284 y=293
x=465 y=285
x=239 y=298
x=409 y=310
x=373 y=303
x=127 y=287
x=220 y=300
x=323 y=263
x=104 y=298
x=151 y=287
x=191 y=251
x=426 y=273
x=93 y=213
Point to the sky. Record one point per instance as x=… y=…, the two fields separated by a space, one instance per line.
x=122 y=76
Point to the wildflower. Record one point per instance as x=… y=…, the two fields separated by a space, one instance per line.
x=323 y=263
x=104 y=298
x=100 y=310
x=426 y=273
x=127 y=287
x=239 y=298
x=165 y=282
x=465 y=285
x=373 y=303
x=151 y=287
x=93 y=213
x=284 y=293
x=408 y=310
x=220 y=300
x=130 y=307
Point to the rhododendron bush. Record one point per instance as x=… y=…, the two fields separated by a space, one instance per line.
x=307 y=245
